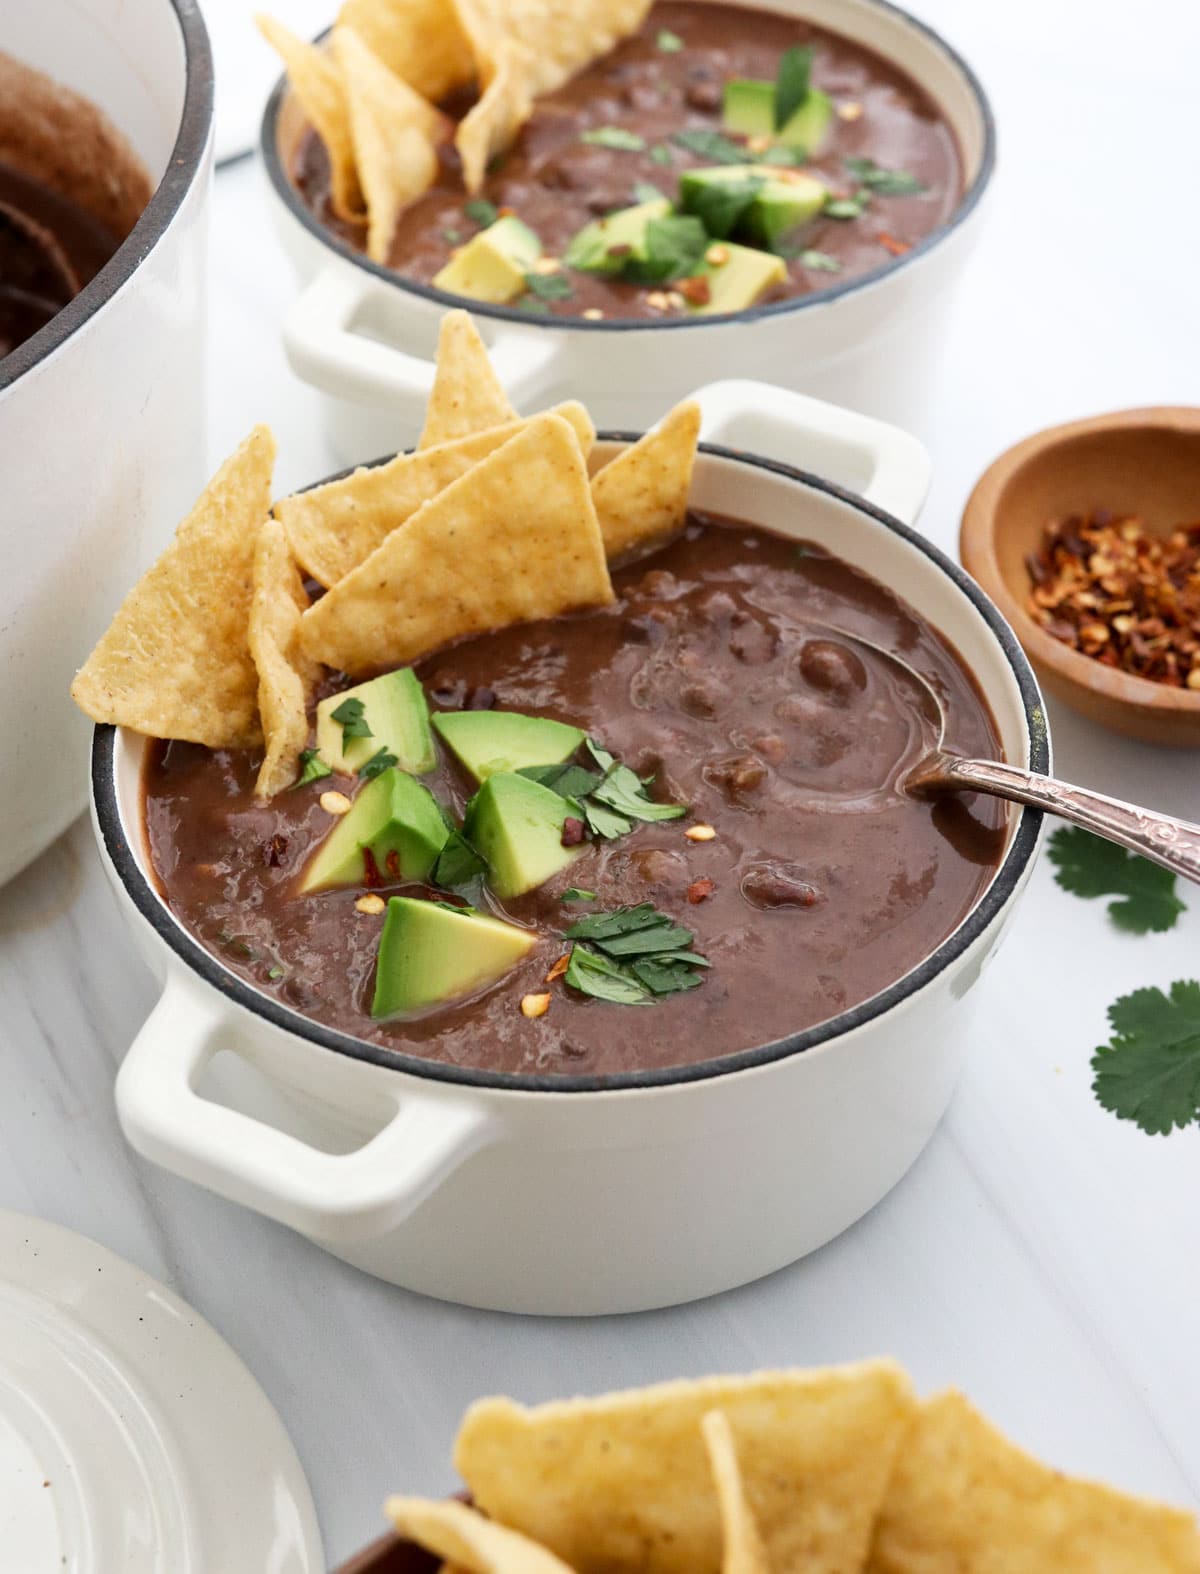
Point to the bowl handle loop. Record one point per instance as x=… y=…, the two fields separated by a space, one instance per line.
x=340 y=1196
x=326 y=348
x=881 y=463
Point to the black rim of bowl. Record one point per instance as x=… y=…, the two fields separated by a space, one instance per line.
x=967 y=205
x=1004 y=883
x=195 y=124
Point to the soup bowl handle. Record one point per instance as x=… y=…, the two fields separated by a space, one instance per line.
x=880 y=463
x=351 y=1195
x=326 y=349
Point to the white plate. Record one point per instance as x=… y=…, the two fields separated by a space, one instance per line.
x=246 y=67
x=132 y=1439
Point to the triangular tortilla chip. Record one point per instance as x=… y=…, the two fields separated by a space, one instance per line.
x=467 y=396
x=621 y=1484
x=964 y=1500
x=513 y=540
x=317 y=83
x=336 y=527
x=465 y=1540
x=420 y=40
x=394 y=132
x=492 y=124
x=743 y=1551
x=175 y=661
x=562 y=36
x=285 y=676
x=641 y=496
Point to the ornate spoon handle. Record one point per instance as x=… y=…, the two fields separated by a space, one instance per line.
x=1175 y=844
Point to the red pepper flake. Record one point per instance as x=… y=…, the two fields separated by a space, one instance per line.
x=890 y=243
x=392 y=864
x=697 y=291
x=559 y=968
x=371 y=874
x=572 y=831
x=700 y=890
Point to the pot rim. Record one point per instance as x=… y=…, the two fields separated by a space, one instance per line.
x=186 y=158
x=986 y=911
x=969 y=201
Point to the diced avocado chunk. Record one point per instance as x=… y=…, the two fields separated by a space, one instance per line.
x=487 y=741
x=493 y=264
x=738 y=282
x=749 y=110
x=517 y=825
x=788 y=200
x=607 y=244
x=429 y=953
x=781 y=200
x=395 y=711
x=396 y=821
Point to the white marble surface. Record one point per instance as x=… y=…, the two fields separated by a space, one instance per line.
x=1041 y=1255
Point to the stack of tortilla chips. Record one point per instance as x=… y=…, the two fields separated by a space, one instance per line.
x=834 y=1471
x=494 y=520
x=372 y=95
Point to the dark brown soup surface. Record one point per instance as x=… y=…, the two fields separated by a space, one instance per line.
x=557 y=182
x=821 y=886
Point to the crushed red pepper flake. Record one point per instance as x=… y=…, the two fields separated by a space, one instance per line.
x=700 y=890
x=559 y=968
x=1105 y=586
x=890 y=243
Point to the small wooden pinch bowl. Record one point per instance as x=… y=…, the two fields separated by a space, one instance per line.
x=1144 y=462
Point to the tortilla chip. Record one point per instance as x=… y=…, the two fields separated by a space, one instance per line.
x=641 y=496
x=175 y=661
x=622 y=1483
x=286 y=678
x=394 y=131
x=317 y=83
x=561 y=36
x=465 y=1540
x=513 y=540
x=964 y=1500
x=491 y=125
x=742 y=1543
x=420 y=40
x=336 y=527
x=466 y=396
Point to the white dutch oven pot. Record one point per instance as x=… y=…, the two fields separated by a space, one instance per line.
x=102 y=411
x=365 y=337
x=587 y=1195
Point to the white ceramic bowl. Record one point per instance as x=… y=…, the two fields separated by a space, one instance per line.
x=102 y=410
x=588 y=1195
x=366 y=337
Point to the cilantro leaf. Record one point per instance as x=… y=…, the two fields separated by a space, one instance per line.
x=670 y=43
x=615 y=137
x=577 y=894
x=548 y=286
x=720 y=205
x=887 y=182
x=643 y=191
x=847 y=207
x=711 y=145
x=638 y=947
x=312 y=768
x=648 y=941
x=1089 y=866
x=661 y=154
x=531 y=303
x=603 y=822
x=482 y=212
x=792 y=83
x=1150 y=1070
x=351 y=715
x=673 y=247
x=620 y=921
x=664 y=977
x=568 y=781
x=621 y=790
x=818 y=262
x=377 y=764
x=594 y=975
x=458 y=863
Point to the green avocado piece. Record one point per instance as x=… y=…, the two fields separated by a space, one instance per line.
x=749 y=110
x=487 y=741
x=396 y=820
x=429 y=953
x=738 y=282
x=395 y=711
x=516 y=824
x=592 y=248
x=777 y=199
x=493 y=264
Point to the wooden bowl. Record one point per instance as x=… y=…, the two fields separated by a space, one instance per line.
x=1144 y=462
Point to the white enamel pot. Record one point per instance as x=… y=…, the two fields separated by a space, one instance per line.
x=102 y=410
x=589 y=1195
x=365 y=337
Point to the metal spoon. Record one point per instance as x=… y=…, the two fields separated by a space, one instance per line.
x=1173 y=843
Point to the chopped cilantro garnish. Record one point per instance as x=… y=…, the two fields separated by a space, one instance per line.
x=886 y=182
x=670 y=43
x=1149 y=1071
x=482 y=212
x=673 y=246
x=452 y=237
x=377 y=764
x=274 y=973
x=660 y=153
x=847 y=207
x=604 y=823
x=312 y=768
x=568 y=781
x=1089 y=866
x=594 y=975
x=548 y=286
x=351 y=715
x=621 y=790
x=778 y=153
x=577 y=894
x=819 y=262
x=792 y=83
x=720 y=205
x=621 y=921
x=615 y=137
x=713 y=146
x=632 y=953
x=531 y=303
x=458 y=863
x=643 y=191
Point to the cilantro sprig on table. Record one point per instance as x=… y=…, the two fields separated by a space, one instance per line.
x=634 y=956
x=1089 y=866
x=1149 y=1071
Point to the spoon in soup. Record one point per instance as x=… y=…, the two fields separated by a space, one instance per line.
x=1165 y=840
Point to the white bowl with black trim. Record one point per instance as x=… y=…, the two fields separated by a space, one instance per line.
x=365 y=337
x=102 y=410
x=580 y=1195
